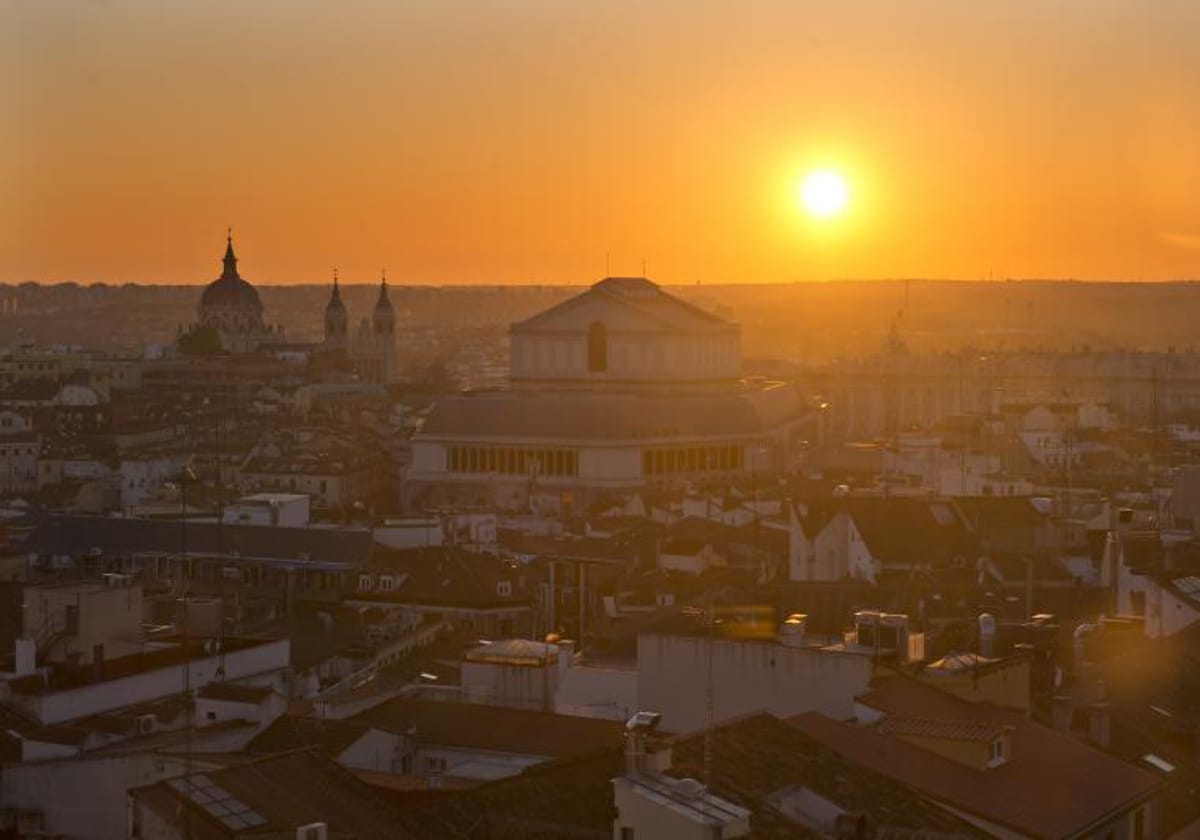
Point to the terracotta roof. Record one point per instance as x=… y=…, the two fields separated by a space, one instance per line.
x=494 y=728
x=1091 y=783
x=639 y=295
x=290 y=732
x=233 y=693
x=446 y=576
x=275 y=794
x=76 y=534
x=753 y=760
x=573 y=417
x=954 y=730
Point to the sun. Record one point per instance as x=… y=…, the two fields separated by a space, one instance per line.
x=824 y=193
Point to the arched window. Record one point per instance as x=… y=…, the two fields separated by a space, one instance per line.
x=597 y=341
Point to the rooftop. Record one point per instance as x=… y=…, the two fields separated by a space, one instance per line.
x=273 y=794
x=1011 y=795
x=753 y=759
x=494 y=728
x=65 y=679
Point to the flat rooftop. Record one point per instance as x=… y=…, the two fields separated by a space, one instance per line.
x=61 y=678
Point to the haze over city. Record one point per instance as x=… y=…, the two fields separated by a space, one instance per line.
x=476 y=142
x=647 y=420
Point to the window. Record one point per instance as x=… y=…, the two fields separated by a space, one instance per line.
x=504 y=588
x=364 y=583
x=597 y=345
x=1139 y=824
x=997 y=752
x=435 y=765
x=626 y=833
x=386 y=583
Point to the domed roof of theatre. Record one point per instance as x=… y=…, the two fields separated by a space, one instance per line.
x=628 y=303
x=230 y=290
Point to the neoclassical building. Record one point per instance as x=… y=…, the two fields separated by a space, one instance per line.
x=622 y=387
x=372 y=352
x=231 y=306
x=625 y=333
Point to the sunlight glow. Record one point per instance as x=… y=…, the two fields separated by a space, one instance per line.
x=824 y=193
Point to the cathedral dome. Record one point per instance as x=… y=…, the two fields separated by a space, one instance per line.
x=227 y=292
x=230 y=290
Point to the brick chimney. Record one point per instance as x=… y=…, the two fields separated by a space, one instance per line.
x=1062 y=710
x=1098 y=724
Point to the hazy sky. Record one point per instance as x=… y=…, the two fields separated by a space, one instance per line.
x=531 y=140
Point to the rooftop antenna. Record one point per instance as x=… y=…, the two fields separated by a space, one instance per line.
x=708 y=700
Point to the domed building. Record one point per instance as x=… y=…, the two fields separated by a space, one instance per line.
x=231 y=306
x=621 y=388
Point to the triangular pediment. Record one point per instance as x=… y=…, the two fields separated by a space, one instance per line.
x=647 y=308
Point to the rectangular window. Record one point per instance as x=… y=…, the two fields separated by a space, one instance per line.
x=1139 y=824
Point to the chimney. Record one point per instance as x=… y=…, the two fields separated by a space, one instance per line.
x=1098 y=724
x=566 y=655
x=26 y=657
x=791 y=632
x=1062 y=709
x=98 y=662
x=987 y=635
x=638 y=730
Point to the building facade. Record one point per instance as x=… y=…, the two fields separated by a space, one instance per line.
x=619 y=388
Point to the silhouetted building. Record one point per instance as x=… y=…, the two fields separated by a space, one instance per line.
x=231 y=306
x=371 y=354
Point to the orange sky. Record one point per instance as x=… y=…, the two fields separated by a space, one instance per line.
x=512 y=141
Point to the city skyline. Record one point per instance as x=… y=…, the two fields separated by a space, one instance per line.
x=539 y=143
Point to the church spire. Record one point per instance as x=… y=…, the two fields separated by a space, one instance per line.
x=383 y=297
x=335 y=298
x=230 y=260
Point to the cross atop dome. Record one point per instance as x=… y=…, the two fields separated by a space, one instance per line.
x=230 y=259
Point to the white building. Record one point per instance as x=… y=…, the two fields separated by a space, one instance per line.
x=289 y=510
x=618 y=388
x=783 y=677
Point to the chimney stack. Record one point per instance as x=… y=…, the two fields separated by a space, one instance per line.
x=638 y=730
x=98 y=662
x=1062 y=710
x=1098 y=724
x=791 y=632
x=987 y=635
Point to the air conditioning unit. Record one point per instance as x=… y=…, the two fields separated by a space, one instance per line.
x=146 y=724
x=312 y=831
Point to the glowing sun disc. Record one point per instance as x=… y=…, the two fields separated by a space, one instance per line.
x=824 y=193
